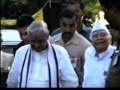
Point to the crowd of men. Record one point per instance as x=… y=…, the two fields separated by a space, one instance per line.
x=73 y=55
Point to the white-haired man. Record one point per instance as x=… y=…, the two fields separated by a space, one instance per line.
x=41 y=64
x=98 y=57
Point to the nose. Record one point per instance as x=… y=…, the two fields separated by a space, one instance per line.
x=24 y=37
x=67 y=29
x=99 y=37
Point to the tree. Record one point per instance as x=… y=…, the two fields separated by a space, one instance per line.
x=92 y=7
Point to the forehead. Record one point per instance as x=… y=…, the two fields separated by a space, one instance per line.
x=38 y=35
x=68 y=20
x=100 y=32
x=22 y=29
x=74 y=6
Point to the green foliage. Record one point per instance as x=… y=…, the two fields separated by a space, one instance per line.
x=17 y=2
x=92 y=7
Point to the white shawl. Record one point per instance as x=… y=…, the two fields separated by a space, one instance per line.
x=52 y=64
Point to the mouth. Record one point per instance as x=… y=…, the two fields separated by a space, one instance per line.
x=100 y=42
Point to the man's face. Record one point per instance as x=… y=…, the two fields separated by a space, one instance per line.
x=39 y=41
x=76 y=9
x=101 y=40
x=23 y=34
x=68 y=25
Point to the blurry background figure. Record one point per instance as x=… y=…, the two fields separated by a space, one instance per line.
x=6 y=60
x=76 y=6
x=5 y=64
x=96 y=18
x=112 y=14
x=87 y=21
x=22 y=23
x=102 y=18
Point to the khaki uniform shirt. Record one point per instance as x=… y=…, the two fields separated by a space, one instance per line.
x=113 y=78
x=75 y=47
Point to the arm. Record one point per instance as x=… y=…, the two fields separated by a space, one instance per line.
x=12 y=80
x=68 y=76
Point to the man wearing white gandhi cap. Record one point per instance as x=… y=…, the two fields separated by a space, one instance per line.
x=98 y=57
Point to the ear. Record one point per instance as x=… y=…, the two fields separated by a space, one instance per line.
x=60 y=22
x=76 y=25
x=112 y=11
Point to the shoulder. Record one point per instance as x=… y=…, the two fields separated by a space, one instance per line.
x=59 y=48
x=19 y=45
x=19 y=55
x=90 y=50
x=23 y=49
x=83 y=39
x=115 y=58
x=55 y=31
x=83 y=42
x=55 y=38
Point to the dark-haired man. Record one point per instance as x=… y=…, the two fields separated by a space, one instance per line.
x=22 y=23
x=76 y=6
x=71 y=40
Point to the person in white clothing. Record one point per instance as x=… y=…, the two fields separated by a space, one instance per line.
x=41 y=64
x=5 y=64
x=5 y=57
x=98 y=57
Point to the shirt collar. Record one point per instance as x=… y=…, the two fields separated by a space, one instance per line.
x=74 y=39
x=110 y=50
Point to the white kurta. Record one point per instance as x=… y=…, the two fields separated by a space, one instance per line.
x=96 y=68
x=38 y=72
x=38 y=76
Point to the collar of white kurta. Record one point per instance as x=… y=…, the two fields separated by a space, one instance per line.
x=51 y=61
x=91 y=52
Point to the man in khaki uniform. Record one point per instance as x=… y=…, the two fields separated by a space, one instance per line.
x=71 y=40
x=112 y=14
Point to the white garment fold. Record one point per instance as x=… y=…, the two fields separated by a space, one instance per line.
x=52 y=64
x=96 y=68
x=67 y=75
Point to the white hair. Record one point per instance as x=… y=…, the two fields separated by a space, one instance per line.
x=37 y=26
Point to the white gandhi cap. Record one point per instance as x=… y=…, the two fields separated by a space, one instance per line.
x=97 y=27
